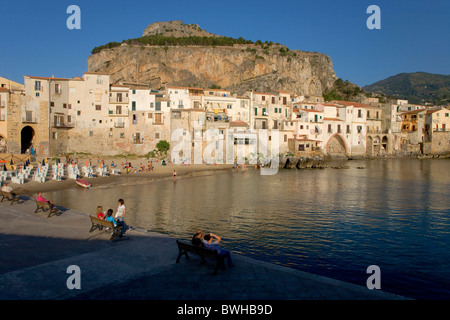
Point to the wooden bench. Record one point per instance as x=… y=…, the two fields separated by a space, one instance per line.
x=184 y=248
x=100 y=224
x=10 y=197
x=44 y=206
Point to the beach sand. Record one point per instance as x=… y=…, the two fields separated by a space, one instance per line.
x=160 y=172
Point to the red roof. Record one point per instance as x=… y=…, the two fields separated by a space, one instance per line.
x=4 y=89
x=332 y=119
x=238 y=124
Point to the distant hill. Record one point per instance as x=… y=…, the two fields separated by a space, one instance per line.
x=418 y=87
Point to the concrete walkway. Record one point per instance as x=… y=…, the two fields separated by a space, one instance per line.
x=36 y=252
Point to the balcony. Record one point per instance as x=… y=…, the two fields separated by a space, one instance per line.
x=64 y=125
x=29 y=120
x=120 y=100
x=138 y=141
x=115 y=113
x=119 y=124
x=2 y=104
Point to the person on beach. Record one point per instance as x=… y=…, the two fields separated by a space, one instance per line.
x=150 y=166
x=211 y=244
x=174 y=175
x=109 y=217
x=7 y=188
x=42 y=199
x=120 y=210
x=100 y=213
x=197 y=239
x=120 y=214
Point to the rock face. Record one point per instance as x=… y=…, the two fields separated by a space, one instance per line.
x=176 y=28
x=237 y=68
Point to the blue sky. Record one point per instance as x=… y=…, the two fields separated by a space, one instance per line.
x=414 y=35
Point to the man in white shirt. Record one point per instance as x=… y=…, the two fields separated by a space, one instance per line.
x=6 y=188
x=214 y=245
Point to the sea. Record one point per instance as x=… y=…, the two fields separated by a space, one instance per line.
x=389 y=213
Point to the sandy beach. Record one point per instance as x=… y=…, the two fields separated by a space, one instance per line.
x=160 y=172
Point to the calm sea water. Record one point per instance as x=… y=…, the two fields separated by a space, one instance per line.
x=395 y=214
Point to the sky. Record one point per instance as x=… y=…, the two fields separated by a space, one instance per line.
x=414 y=35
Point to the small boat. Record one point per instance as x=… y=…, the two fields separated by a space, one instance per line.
x=83 y=183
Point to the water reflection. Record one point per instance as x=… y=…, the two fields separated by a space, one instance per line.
x=336 y=222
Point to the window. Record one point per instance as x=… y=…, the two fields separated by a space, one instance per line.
x=122 y=135
x=301 y=147
x=284 y=100
x=446 y=115
x=158 y=118
x=37 y=94
x=133 y=92
x=263 y=98
x=91 y=133
x=52 y=104
x=339 y=128
x=54 y=135
x=329 y=129
x=359 y=113
x=150 y=115
x=158 y=106
x=229 y=106
x=78 y=113
x=285 y=138
x=151 y=105
x=133 y=105
x=98 y=107
x=156 y=135
x=273 y=100
x=348 y=128
x=57 y=88
x=119 y=97
x=37 y=86
x=359 y=128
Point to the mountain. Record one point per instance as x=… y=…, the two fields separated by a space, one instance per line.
x=184 y=54
x=418 y=87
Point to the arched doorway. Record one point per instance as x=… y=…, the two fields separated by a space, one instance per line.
x=26 y=137
x=336 y=147
x=376 y=145
x=384 y=143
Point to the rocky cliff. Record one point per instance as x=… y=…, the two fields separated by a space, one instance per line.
x=238 y=67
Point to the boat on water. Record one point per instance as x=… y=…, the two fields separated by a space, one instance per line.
x=83 y=183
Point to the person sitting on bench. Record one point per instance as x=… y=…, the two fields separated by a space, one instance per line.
x=197 y=239
x=8 y=189
x=42 y=199
x=209 y=244
x=109 y=217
